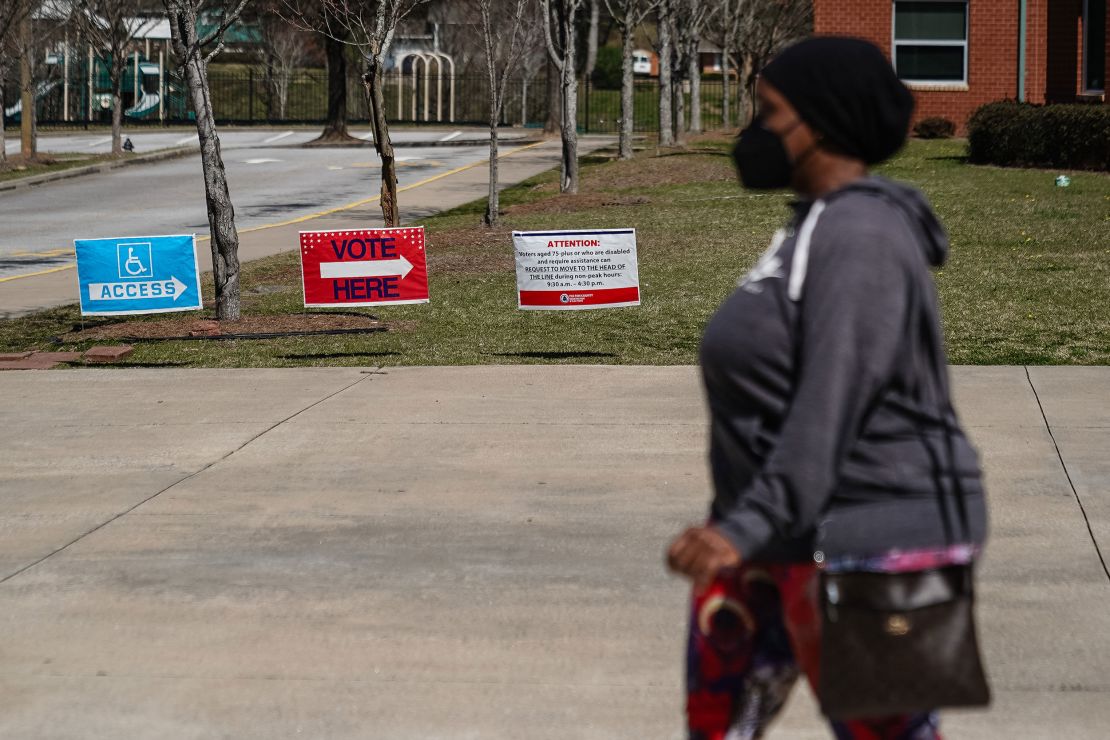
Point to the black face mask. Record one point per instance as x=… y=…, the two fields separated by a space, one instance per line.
x=761 y=158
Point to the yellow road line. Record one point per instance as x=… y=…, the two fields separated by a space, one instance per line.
x=309 y=217
x=375 y=198
x=40 y=272
x=48 y=253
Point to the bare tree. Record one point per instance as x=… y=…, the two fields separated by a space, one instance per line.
x=370 y=26
x=110 y=27
x=724 y=30
x=690 y=23
x=11 y=14
x=335 y=126
x=25 y=51
x=552 y=83
x=193 y=52
x=763 y=28
x=665 y=47
x=283 y=50
x=509 y=28
x=628 y=14
x=532 y=60
x=560 y=30
x=308 y=14
x=591 y=39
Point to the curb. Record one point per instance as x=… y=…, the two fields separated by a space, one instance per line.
x=418 y=144
x=92 y=169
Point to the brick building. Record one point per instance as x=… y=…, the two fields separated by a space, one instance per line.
x=959 y=54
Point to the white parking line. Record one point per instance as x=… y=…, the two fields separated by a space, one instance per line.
x=98 y=142
x=279 y=137
x=455 y=135
x=260 y=160
x=185 y=140
x=368 y=136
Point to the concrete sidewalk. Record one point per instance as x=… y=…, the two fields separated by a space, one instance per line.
x=466 y=552
x=433 y=195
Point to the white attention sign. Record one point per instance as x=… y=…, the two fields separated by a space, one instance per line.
x=573 y=270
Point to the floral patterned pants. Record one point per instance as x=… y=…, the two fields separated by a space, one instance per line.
x=752 y=633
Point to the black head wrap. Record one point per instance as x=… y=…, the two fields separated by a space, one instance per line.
x=846 y=90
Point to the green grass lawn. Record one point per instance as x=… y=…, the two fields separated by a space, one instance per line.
x=1027 y=283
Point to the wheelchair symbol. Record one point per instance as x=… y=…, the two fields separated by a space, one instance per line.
x=134 y=260
x=133 y=264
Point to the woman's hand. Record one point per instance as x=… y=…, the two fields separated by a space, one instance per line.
x=700 y=553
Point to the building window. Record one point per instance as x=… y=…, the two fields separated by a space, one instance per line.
x=930 y=40
x=1094 y=46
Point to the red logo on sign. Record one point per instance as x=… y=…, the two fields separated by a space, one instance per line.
x=365 y=267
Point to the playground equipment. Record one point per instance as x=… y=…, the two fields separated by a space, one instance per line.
x=147 y=105
x=425 y=59
x=43 y=89
x=78 y=88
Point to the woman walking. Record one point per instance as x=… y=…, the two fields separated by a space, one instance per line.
x=833 y=443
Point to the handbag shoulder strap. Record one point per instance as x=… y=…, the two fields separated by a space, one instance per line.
x=928 y=337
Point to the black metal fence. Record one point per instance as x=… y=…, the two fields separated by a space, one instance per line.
x=245 y=96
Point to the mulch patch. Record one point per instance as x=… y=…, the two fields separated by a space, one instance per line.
x=471 y=250
x=572 y=203
x=185 y=327
x=670 y=167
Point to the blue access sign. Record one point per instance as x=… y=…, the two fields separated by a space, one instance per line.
x=138 y=274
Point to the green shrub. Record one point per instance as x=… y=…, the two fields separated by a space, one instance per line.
x=934 y=127
x=607 y=73
x=1072 y=136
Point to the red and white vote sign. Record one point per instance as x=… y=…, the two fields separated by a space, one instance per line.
x=364 y=267
x=572 y=270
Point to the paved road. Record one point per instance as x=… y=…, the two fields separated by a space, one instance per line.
x=267 y=185
x=459 y=552
x=148 y=141
x=271 y=179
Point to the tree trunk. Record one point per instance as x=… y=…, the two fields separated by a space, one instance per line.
x=3 y=134
x=554 y=100
x=27 y=142
x=748 y=76
x=271 y=84
x=591 y=39
x=570 y=125
x=116 y=71
x=373 y=80
x=221 y=213
x=679 y=88
x=283 y=92
x=628 y=91
x=695 y=88
x=666 y=122
x=726 y=90
x=336 y=127
x=493 y=205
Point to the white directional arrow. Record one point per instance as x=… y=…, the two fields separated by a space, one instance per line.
x=366 y=268
x=137 y=291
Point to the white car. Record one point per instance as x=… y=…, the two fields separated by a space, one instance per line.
x=641 y=62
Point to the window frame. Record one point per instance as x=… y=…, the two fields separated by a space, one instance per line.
x=1085 y=80
x=894 y=44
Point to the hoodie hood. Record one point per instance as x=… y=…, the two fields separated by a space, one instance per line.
x=919 y=214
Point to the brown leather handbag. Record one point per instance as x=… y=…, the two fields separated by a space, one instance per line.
x=899 y=643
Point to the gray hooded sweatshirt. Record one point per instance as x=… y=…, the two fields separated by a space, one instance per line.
x=832 y=431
